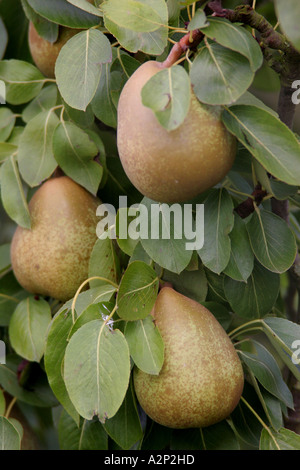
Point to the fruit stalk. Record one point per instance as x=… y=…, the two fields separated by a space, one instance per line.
x=189 y=41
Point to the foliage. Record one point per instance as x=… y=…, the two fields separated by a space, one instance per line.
x=74 y=361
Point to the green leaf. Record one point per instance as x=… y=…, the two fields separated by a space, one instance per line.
x=219 y=222
x=10 y=294
x=241 y=260
x=219 y=311
x=125 y=242
x=14 y=19
x=145 y=345
x=251 y=100
x=284 y=336
x=272 y=241
x=266 y=370
x=284 y=439
x=2 y=403
x=236 y=38
x=3 y=38
x=9 y=436
x=104 y=262
x=167 y=247
x=278 y=189
x=35 y=155
x=12 y=194
x=46 y=29
x=199 y=21
x=63 y=13
x=219 y=436
x=192 y=284
x=89 y=435
x=215 y=285
x=6 y=150
x=7 y=122
x=102 y=103
x=137 y=291
x=4 y=257
x=97 y=360
x=274 y=145
x=101 y=293
x=93 y=312
x=56 y=344
x=132 y=15
x=78 y=67
x=274 y=408
x=74 y=152
x=257 y=296
x=38 y=395
x=211 y=75
x=84 y=119
x=28 y=327
x=168 y=94
x=288 y=18
x=23 y=80
x=153 y=42
x=125 y=427
x=45 y=100
x=85 y=6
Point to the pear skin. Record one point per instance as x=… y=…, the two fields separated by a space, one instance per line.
x=202 y=378
x=171 y=166
x=45 y=53
x=52 y=258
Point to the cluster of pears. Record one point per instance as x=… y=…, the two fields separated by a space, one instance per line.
x=202 y=378
x=52 y=258
x=171 y=166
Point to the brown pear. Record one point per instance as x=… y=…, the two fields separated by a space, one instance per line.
x=171 y=166
x=52 y=258
x=202 y=378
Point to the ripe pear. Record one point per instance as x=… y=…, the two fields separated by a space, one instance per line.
x=52 y=258
x=171 y=166
x=202 y=378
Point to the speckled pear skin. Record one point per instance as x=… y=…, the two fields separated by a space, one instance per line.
x=45 y=53
x=52 y=258
x=202 y=378
x=171 y=166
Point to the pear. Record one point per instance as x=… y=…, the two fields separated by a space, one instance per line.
x=45 y=53
x=171 y=166
x=52 y=258
x=202 y=378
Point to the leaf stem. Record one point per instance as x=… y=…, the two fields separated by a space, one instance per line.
x=261 y=421
x=9 y=297
x=10 y=407
x=244 y=326
x=99 y=278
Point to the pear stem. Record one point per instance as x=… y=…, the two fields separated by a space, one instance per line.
x=190 y=40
